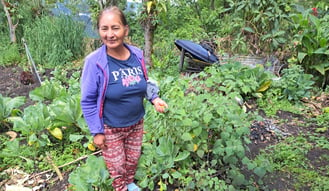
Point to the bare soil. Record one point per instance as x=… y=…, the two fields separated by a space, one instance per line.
x=11 y=85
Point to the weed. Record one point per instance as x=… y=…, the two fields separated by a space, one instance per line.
x=290 y=156
x=9 y=54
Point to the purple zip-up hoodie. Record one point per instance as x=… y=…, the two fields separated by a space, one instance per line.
x=94 y=80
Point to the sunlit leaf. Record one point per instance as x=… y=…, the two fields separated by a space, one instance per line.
x=56 y=132
x=149 y=6
x=264 y=86
x=187 y=137
x=91 y=147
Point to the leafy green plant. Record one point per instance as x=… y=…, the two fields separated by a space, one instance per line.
x=234 y=77
x=66 y=111
x=263 y=23
x=34 y=124
x=69 y=78
x=289 y=89
x=311 y=41
x=9 y=107
x=48 y=91
x=16 y=154
x=295 y=84
x=93 y=175
x=204 y=128
x=166 y=153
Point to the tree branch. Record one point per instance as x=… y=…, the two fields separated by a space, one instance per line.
x=10 y=23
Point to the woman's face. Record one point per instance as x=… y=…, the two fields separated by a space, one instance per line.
x=111 y=30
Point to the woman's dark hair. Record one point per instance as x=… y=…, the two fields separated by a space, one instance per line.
x=115 y=10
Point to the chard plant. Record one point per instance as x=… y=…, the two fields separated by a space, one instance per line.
x=294 y=85
x=34 y=124
x=93 y=175
x=9 y=107
x=48 y=91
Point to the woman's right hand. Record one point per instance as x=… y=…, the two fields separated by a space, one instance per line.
x=99 y=141
x=160 y=105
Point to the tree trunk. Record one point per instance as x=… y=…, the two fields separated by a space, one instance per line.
x=212 y=5
x=12 y=27
x=105 y=3
x=148 y=36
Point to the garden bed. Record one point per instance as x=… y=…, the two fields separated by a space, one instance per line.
x=268 y=133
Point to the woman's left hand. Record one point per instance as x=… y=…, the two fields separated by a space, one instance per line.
x=160 y=105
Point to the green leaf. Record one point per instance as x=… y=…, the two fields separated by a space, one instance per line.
x=200 y=153
x=225 y=135
x=260 y=172
x=176 y=175
x=48 y=91
x=320 y=50
x=35 y=119
x=323 y=42
x=187 y=137
x=93 y=172
x=326 y=109
x=239 y=179
x=75 y=138
x=249 y=29
x=165 y=175
x=197 y=131
x=12 y=149
x=165 y=147
x=207 y=117
x=218 y=147
x=322 y=68
x=301 y=56
x=7 y=105
x=187 y=122
x=182 y=156
x=315 y=21
x=66 y=112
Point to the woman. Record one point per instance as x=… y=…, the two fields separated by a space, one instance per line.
x=113 y=86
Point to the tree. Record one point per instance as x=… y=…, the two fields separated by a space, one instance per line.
x=149 y=21
x=105 y=3
x=12 y=27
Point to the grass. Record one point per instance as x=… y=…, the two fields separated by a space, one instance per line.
x=291 y=157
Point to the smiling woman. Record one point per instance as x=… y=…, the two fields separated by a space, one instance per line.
x=113 y=28
x=114 y=84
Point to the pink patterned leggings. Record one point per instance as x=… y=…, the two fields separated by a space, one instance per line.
x=122 y=153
